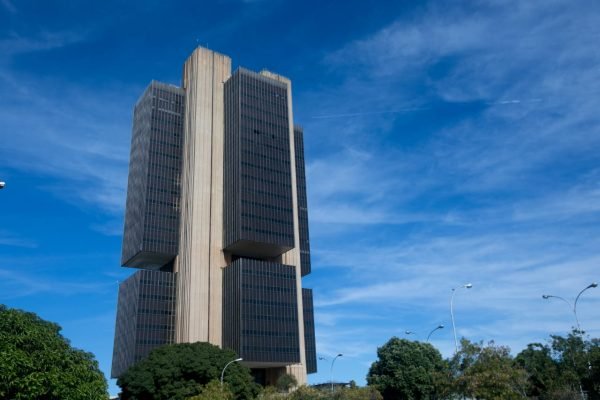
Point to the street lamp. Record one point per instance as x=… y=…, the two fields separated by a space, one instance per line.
x=2 y=184
x=409 y=333
x=331 y=370
x=466 y=286
x=574 y=305
x=436 y=328
x=227 y=365
x=590 y=286
x=574 y=308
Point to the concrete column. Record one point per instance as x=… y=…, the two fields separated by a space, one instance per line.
x=199 y=294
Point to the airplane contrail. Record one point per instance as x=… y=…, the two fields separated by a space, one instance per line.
x=401 y=110
x=514 y=101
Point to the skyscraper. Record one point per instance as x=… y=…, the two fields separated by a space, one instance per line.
x=216 y=221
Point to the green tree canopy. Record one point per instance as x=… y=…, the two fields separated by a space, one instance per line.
x=37 y=362
x=286 y=382
x=543 y=371
x=179 y=371
x=357 y=393
x=487 y=372
x=409 y=370
x=214 y=391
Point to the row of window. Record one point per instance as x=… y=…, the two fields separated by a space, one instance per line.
x=266 y=288
x=159 y=228
x=164 y=178
x=163 y=131
x=154 y=189
x=163 y=167
x=250 y=119
x=260 y=84
x=156 y=215
x=279 y=318
x=258 y=272
x=155 y=327
x=253 y=332
x=267 y=206
x=163 y=203
x=283 y=149
x=286 y=162
x=153 y=282
x=279 y=113
x=156 y=297
x=265 y=168
x=154 y=311
x=271 y=349
x=158 y=242
x=269 y=303
x=166 y=155
x=266 y=232
x=273 y=220
x=265 y=193
x=152 y=341
x=267 y=181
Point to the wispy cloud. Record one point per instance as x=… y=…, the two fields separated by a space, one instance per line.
x=9 y=239
x=9 y=6
x=18 y=284
x=17 y=44
x=73 y=135
x=490 y=176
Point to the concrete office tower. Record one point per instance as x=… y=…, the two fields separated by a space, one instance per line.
x=242 y=232
x=145 y=317
x=145 y=310
x=150 y=238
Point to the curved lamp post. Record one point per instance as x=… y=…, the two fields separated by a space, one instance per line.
x=435 y=329
x=331 y=370
x=465 y=286
x=573 y=306
x=227 y=365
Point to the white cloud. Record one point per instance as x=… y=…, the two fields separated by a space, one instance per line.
x=503 y=194
x=10 y=239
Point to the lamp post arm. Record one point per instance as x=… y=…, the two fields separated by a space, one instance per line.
x=572 y=307
x=593 y=285
x=430 y=333
x=331 y=371
x=224 y=368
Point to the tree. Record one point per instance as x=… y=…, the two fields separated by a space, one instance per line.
x=487 y=372
x=308 y=393
x=178 y=371
x=578 y=362
x=409 y=370
x=286 y=382
x=357 y=393
x=37 y=362
x=543 y=371
x=214 y=391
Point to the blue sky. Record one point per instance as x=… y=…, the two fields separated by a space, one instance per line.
x=446 y=142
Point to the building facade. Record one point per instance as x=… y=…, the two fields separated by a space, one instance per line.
x=216 y=202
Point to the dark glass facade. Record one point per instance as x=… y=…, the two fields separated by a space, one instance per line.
x=302 y=201
x=258 y=207
x=310 y=347
x=151 y=233
x=260 y=312
x=145 y=317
